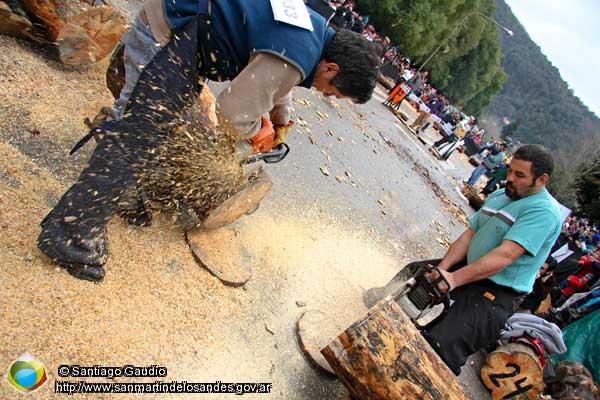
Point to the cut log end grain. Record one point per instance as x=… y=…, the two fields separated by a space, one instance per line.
x=90 y=36
x=513 y=371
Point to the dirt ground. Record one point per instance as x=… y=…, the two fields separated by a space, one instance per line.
x=316 y=242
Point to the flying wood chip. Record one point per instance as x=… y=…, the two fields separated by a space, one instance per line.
x=302 y=101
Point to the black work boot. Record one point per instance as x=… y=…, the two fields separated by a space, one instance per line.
x=81 y=250
x=74 y=233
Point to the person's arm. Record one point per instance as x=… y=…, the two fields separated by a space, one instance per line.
x=487 y=265
x=457 y=250
x=263 y=85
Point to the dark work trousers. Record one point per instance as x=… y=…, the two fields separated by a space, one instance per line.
x=474 y=320
x=446 y=139
x=168 y=84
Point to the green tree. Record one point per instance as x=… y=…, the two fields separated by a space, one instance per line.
x=468 y=70
x=587 y=186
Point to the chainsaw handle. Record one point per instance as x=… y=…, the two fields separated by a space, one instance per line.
x=435 y=282
x=277 y=154
x=435 y=292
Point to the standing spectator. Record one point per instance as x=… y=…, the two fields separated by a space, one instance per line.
x=322 y=7
x=358 y=26
x=433 y=106
x=418 y=80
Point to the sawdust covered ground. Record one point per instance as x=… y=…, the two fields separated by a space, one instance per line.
x=156 y=306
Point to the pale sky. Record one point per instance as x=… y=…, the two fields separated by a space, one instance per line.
x=568 y=32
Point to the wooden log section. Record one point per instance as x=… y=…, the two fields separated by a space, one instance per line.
x=82 y=39
x=46 y=13
x=13 y=24
x=513 y=371
x=471 y=193
x=90 y=36
x=383 y=356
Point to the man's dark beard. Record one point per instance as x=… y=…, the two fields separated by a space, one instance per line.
x=511 y=191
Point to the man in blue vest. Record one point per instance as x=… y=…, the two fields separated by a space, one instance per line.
x=265 y=48
x=494 y=263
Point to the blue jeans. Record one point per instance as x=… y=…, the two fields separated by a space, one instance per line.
x=480 y=170
x=140 y=48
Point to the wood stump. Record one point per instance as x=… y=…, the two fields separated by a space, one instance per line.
x=90 y=36
x=383 y=356
x=513 y=371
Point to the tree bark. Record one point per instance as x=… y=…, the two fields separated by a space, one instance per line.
x=383 y=356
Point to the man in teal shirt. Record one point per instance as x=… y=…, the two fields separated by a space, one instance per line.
x=494 y=262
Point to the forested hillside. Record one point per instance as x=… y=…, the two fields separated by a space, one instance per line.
x=466 y=62
x=537 y=103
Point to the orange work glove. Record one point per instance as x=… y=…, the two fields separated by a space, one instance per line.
x=281 y=132
x=263 y=141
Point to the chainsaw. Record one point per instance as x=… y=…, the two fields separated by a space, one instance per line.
x=269 y=143
x=419 y=294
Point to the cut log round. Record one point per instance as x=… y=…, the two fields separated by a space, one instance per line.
x=243 y=202
x=383 y=356
x=315 y=330
x=513 y=371
x=90 y=36
x=221 y=252
x=475 y=200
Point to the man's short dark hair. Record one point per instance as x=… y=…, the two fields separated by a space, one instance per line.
x=540 y=157
x=359 y=62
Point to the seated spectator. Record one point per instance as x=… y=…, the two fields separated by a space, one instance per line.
x=488 y=164
x=498 y=175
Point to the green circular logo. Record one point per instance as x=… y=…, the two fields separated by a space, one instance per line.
x=26 y=374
